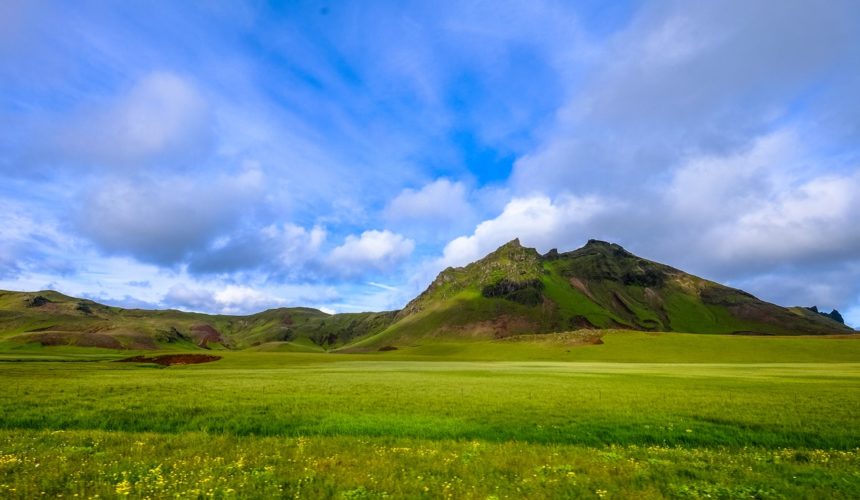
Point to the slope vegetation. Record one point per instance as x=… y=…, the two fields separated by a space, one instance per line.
x=50 y=318
x=515 y=291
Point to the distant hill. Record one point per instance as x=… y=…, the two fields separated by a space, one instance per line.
x=51 y=318
x=515 y=290
x=512 y=291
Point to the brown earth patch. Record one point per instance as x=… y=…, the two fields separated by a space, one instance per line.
x=581 y=322
x=762 y=312
x=51 y=308
x=656 y=302
x=754 y=312
x=500 y=327
x=577 y=338
x=620 y=303
x=581 y=286
x=173 y=359
x=204 y=334
x=79 y=339
x=653 y=297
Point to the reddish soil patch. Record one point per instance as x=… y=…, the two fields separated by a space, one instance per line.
x=581 y=286
x=173 y=359
x=204 y=334
x=499 y=327
x=568 y=339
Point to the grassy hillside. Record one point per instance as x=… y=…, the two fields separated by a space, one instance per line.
x=515 y=290
x=53 y=319
x=512 y=291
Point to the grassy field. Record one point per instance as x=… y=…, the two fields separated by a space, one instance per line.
x=707 y=417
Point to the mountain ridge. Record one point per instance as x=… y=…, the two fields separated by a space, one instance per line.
x=513 y=290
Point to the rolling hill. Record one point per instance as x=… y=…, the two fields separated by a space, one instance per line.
x=515 y=290
x=50 y=318
x=512 y=291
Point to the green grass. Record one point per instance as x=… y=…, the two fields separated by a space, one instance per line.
x=195 y=465
x=707 y=416
x=571 y=302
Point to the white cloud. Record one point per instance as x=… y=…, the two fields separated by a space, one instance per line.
x=231 y=299
x=195 y=299
x=163 y=116
x=537 y=220
x=235 y=299
x=689 y=79
x=815 y=220
x=852 y=316
x=383 y=286
x=299 y=244
x=373 y=250
x=826 y=288
x=31 y=240
x=675 y=40
x=714 y=187
x=162 y=220
x=441 y=201
x=289 y=252
x=283 y=249
x=756 y=210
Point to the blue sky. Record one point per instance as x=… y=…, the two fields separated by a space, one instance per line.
x=234 y=156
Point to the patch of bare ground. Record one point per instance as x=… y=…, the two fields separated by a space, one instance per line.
x=500 y=327
x=172 y=359
x=204 y=334
x=581 y=286
x=575 y=338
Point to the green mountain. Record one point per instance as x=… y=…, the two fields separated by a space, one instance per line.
x=515 y=291
x=50 y=318
x=512 y=291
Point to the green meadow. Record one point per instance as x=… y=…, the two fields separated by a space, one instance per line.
x=638 y=416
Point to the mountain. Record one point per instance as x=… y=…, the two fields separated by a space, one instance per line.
x=515 y=290
x=512 y=291
x=51 y=318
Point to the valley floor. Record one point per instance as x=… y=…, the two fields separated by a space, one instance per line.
x=439 y=421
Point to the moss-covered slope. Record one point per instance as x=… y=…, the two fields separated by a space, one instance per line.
x=515 y=290
x=50 y=318
x=512 y=291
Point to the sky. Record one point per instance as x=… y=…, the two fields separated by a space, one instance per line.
x=229 y=157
